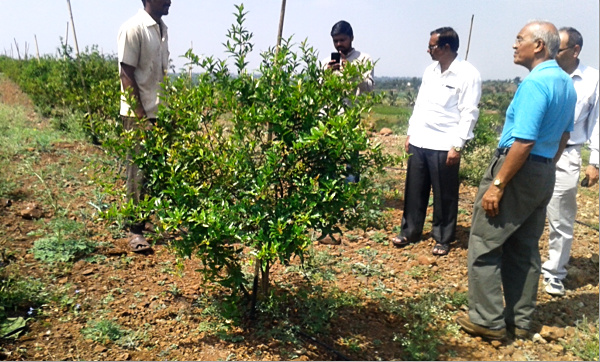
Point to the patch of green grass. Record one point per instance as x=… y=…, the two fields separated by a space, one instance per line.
x=19 y=294
x=107 y=331
x=584 y=343
x=317 y=265
x=393 y=117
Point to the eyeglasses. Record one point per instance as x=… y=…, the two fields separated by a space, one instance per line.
x=563 y=49
x=432 y=47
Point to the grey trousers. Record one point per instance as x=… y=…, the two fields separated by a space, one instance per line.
x=135 y=176
x=504 y=259
x=136 y=180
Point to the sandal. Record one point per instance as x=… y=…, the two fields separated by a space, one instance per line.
x=138 y=243
x=400 y=241
x=441 y=249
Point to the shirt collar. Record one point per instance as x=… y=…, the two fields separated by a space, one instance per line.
x=453 y=66
x=578 y=72
x=148 y=21
x=545 y=64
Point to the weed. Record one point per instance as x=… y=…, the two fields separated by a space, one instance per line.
x=369 y=268
x=175 y=291
x=20 y=294
x=55 y=249
x=353 y=344
x=378 y=237
x=103 y=331
x=585 y=342
x=109 y=298
x=418 y=272
x=106 y=331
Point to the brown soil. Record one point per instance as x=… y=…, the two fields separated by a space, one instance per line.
x=144 y=299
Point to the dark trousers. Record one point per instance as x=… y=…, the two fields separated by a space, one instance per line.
x=426 y=170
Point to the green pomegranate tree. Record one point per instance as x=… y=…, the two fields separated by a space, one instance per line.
x=245 y=164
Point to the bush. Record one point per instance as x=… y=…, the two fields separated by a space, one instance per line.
x=246 y=165
x=63 y=85
x=479 y=151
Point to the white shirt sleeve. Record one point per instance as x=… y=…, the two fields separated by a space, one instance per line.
x=468 y=106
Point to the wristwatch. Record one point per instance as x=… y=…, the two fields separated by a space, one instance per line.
x=499 y=184
x=457 y=149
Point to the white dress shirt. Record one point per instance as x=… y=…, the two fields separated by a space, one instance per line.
x=585 y=80
x=446 y=109
x=142 y=47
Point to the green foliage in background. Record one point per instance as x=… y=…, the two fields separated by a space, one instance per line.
x=479 y=151
x=56 y=86
x=245 y=165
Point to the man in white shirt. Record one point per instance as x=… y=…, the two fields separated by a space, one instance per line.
x=562 y=208
x=143 y=63
x=443 y=119
x=343 y=36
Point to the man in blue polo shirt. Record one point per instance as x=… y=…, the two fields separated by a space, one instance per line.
x=510 y=209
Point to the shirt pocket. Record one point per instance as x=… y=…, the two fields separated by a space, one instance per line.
x=446 y=96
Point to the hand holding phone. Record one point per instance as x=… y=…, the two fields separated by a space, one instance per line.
x=336 y=57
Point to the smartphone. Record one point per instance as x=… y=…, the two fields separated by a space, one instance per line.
x=335 y=56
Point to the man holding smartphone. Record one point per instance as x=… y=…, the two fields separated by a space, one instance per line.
x=342 y=36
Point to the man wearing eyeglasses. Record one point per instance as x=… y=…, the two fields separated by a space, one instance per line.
x=563 y=205
x=509 y=213
x=445 y=113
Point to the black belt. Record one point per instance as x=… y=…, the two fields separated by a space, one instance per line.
x=569 y=146
x=531 y=157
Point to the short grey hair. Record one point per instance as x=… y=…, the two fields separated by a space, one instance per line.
x=546 y=32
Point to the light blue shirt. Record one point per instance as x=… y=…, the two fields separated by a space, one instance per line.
x=542 y=110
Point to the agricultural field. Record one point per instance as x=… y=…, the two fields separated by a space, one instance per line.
x=70 y=288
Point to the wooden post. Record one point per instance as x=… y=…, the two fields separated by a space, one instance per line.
x=17 y=46
x=80 y=71
x=37 y=48
x=73 y=26
x=469 y=42
x=281 y=19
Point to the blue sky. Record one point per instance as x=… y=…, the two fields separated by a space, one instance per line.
x=395 y=32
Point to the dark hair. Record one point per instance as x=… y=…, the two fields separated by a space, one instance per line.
x=447 y=35
x=575 y=37
x=342 y=27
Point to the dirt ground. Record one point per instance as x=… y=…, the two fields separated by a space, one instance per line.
x=147 y=292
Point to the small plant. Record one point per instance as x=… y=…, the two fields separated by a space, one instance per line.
x=175 y=291
x=55 y=249
x=369 y=268
x=585 y=342
x=107 y=331
x=379 y=237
